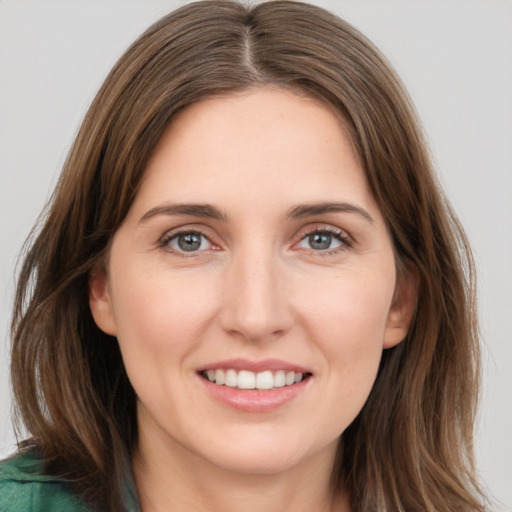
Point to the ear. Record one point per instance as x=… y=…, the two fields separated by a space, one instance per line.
x=100 y=303
x=403 y=307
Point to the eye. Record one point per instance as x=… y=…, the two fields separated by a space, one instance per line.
x=325 y=239
x=187 y=241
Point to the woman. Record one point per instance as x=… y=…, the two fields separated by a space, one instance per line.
x=247 y=279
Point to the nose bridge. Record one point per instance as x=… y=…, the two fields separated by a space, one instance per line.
x=255 y=304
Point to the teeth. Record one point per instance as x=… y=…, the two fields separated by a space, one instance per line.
x=244 y=379
x=265 y=380
x=219 y=376
x=289 y=378
x=279 y=379
x=231 y=379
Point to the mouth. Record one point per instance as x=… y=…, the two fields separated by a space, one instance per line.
x=248 y=380
x=251 y=386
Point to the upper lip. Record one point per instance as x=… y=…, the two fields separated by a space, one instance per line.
x=254 y=366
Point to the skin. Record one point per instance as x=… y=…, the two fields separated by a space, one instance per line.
x=256 y=289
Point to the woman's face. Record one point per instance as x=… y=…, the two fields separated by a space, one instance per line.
x=254 y=254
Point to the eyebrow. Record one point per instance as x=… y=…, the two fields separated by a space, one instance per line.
x=212 y=212
x=186 y=209
x=310 y=210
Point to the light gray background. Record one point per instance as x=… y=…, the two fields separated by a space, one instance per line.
x=455 y=57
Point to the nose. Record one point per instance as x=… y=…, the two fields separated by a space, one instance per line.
x=255 y=303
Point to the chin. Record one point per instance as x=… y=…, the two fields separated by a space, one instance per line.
x=258 y=462
x=257 y=455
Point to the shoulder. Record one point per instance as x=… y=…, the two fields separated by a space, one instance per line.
x=25 y=487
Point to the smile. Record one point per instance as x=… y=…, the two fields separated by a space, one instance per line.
x=255 y=386
x=247 y=380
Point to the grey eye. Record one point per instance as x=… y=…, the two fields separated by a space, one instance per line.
x=320 y=241
x=189 y=242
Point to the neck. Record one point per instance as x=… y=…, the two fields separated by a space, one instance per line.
x=177 y=479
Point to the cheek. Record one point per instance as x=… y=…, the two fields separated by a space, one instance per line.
x=162 y=317
x=156 y=309
x=347 y=320
x=349 y=310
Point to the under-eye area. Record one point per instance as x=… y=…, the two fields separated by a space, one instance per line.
x=245 y=379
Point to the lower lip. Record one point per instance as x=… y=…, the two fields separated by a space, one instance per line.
x=253 y=400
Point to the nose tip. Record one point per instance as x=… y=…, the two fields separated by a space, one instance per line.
x=255 y=304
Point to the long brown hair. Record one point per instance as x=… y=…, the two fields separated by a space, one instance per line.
x=410 y=448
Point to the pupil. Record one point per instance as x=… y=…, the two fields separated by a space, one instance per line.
x=320 y=241
x=189 y=242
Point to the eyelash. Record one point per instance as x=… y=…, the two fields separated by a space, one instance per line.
x=164 y=242
x=338 y=234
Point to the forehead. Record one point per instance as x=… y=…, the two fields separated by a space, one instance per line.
x=270 y=118
x=263 y=141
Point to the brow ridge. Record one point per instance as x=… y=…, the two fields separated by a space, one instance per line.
x=309 y=210
x=212 y=212
x=186 y=209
